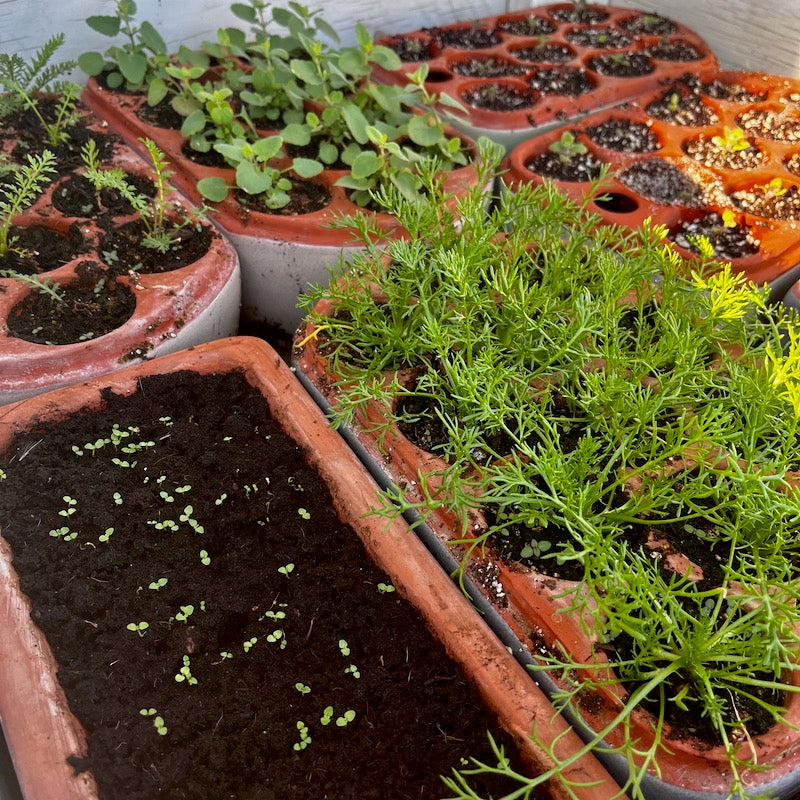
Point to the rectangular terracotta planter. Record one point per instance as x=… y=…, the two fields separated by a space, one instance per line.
x=42 y=733
x=527 y=608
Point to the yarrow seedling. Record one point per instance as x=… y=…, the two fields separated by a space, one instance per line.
x=305 y=739
x=158 y=720
x=185 y=674
x=139 y=628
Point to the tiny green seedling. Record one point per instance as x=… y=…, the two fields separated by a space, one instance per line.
x=385 y=588
x=157 y=584
x=205 y=558
x=327 y=716
x=286 y=569
x=105 y=535
x=221 y=499
x=352 y=670
x=185 y=674
x=733 y=140
x=225 y=655
x=302 y=688
x=535 y=548
x=184 y=613
x=117 y=498
x=305 y=739
x=139 y=628
x=277 y=637
x=158 y=720
x=249 y=644
x=70 y=509
x=344 y=648
x=304 y=513
x=567 y=147
x=346 y=718
x=64 y=533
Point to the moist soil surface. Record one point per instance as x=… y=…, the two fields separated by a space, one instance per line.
x=662 y=182
x=562 y=80
x=412 y=49
x=622 y=65
x=94 y=304
x=547 y=53
x=599 y=36
x=527 y=26
x=580 y=167
x=652 y=24
x=486 y=67
x=499 y=97
x=680 y=105
x=624 y=136
x=674 y=51
x=472 y=38
x=285 y=618
x=727 y=243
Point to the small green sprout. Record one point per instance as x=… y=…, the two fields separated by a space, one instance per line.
x=302 y=688
x=385 y=588
x=225 y=654
x=63 y=533
x=117 y=498
x=70 y=509
x=567 y=147
x=221 y=499
x=277 y=636
x=158 y=721
x=732 y=141
x=286 y=569
x=249 y=644
x=163 y=525
x=205 y=558
x=138 y=627
x=729 y=219
x=184 y=613
x=183 y=489
x=273 y=615
x=3 y=475
x=166 y=497
x=535 y=548
x=157 y=584
x=185 y=673
x=123 y=464
x=305 y=739
x=106 y=534
x=327 y=715
x=304 y=513
x=346 y=718
x=344 y=648
x=352 y=670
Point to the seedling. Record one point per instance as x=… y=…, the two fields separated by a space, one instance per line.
x=302 y=688
x=277 y=637
x=205 y=558
x=345 y=719
x=139 y=628
x=733 y=140
x=29 y=181
x=344 y=648
x=327 y=716
x=158 y=721
x=305 y=739
x=385 y=588
x=249 y=644
x=185 y=674
x=71 y=502
x=225 y=655
x=157 y=584
x=25 y=83
x=303 y=513
x=184 y=613
x=106 y=535
x=567 y=147
x=352 y=670
x=63 y=533
x=286 y=569
x=535 y=548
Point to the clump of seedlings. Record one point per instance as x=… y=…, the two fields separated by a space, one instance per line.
x=591 y=385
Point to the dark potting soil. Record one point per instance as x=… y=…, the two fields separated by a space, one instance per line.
x=731 y=92
x=532 y=25
x=726 y=242
x=305 y=197
x=412 y=49
x=579 y=167
x=567 y=81
x=583 y=14
x=770 y=124
x=674 y=51
x=662 y=182
x=43 y=249
x=600 y=36
x=681 y=106
x=95 y=304
x=624 y=136
x=499 y=97
x=622 y=65
x=208 y=158
x=75 y=196
x=773 y=202
x=25 y=128
x=122 y=249
x=653 y=24
x=162 y=115
x=177 y=534
x=547 y=53
x=486 y=67
x=464 y=38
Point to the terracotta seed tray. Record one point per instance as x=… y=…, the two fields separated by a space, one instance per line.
x=547 y=65
x=726 y=146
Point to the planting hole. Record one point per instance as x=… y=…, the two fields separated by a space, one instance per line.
x=616 y=203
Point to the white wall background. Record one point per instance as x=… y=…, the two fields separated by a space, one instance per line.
x=760 y=35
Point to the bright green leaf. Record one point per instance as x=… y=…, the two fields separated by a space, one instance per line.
x=91 y=63
x=213 y=189
x=366 y=164
x=307 y=167
x=151 y=38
